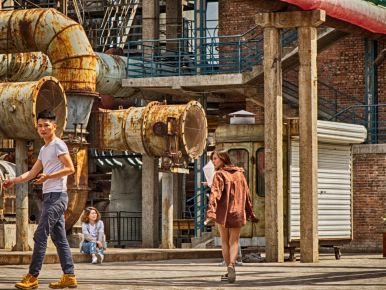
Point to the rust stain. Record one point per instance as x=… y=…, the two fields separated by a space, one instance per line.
x=77 y=183
x=26 y=31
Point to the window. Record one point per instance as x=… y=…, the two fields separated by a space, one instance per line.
x=260 y=172
x=240 y=158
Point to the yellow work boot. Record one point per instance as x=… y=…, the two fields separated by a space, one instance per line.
x=28 y=282
x=64 y=282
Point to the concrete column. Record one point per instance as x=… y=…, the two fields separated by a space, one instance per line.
x=167 y=210
x=308 y=111
x=273 y=138
x=150 y=203
x=21 y=198
x=178 y=195
x=173 y=23
x=150 y=19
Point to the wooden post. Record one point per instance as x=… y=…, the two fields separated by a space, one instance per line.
x=273 y=140
x=167 y=211
x=21 y=198
x=150 y=202
x=308 y=111
x=307 y=21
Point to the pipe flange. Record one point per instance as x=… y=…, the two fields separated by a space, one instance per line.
x=183 y=119
x=144 y=124
x=82 y=93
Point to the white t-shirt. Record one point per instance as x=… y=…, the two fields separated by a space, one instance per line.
x=93 y=230
x=48 y=155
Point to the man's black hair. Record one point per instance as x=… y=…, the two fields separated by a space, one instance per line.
x=46 y=114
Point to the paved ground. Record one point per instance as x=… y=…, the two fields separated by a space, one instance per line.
x=351 y=272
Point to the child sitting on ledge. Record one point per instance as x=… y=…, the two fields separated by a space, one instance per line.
x=93 y=235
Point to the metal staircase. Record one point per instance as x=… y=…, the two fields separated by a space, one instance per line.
x=329 y=100
x=117 y=22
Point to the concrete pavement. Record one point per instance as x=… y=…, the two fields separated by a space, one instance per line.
x=351 y=272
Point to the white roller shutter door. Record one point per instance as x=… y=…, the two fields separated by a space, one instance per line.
x=334 y=192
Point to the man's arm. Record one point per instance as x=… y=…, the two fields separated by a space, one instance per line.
x=68 y=168
x=26 y=176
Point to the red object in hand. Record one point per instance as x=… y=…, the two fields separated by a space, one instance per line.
x=7 y=183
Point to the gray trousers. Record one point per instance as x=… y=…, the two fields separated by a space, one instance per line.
x=52 y=223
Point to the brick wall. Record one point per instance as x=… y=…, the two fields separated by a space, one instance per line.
x=369 y=204
x=342 y=66
x=258 y=110
x=236 y=16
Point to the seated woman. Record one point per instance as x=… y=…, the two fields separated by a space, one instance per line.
x=93 y=235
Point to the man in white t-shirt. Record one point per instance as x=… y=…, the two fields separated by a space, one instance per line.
x=55 y=162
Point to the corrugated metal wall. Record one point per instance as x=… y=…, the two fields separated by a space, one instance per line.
x=334 y=192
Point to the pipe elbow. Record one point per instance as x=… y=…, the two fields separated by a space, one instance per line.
x=64 y=41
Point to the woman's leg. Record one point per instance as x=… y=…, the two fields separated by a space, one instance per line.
x=234 y=236
x=224 y=233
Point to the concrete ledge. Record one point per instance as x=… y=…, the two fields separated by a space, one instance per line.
x=113 y=255
x=369 y=149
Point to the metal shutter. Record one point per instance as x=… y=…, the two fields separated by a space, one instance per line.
x=334 y=192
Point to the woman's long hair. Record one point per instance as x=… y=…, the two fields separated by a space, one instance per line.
x=86 y=214
x=223 y=156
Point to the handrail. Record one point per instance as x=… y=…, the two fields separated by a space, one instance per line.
x=334 y=89
x=217 y=54
x=355 y=106
x=195 y=37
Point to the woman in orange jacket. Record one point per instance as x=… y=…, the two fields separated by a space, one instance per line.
x=229 y=206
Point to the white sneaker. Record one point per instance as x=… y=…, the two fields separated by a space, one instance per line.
x=94 y=259
x=101 y=257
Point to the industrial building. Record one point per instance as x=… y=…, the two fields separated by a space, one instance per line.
x=294 y=90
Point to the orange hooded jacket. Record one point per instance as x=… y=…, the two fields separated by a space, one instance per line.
x=230 y=201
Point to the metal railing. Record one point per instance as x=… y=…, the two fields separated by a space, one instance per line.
x=199 y=55
x=373 y=117
x=330 y=99
x=122 y=227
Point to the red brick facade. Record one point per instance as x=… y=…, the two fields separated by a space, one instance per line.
x=369 y=204
x=236 y=16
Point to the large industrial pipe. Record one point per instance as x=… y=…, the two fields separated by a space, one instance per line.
x=358 y=12
x=157 y=130
x=24 y=67
x=61 y=38
x=20 y=103
x=110 y=70
x=65 y=43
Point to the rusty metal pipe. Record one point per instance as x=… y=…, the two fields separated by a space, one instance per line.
x=62 y=39
x=145 y=129
x=24 y=67
x=20 y=103
x=110 y=70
